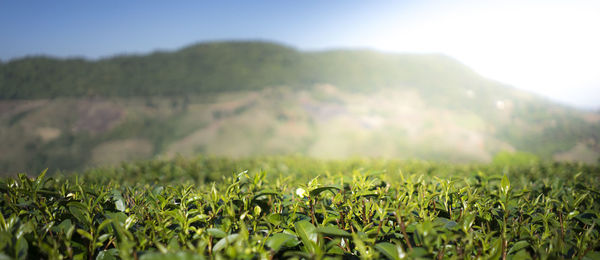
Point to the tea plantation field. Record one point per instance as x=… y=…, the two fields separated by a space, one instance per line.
x=296 y=207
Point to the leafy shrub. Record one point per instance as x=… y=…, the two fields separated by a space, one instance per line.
x=303 y=208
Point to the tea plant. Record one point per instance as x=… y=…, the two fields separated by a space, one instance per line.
x=305 y=209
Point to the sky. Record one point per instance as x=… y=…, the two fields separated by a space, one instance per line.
x=546 y=47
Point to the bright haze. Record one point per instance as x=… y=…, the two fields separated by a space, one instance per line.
x=547 y=47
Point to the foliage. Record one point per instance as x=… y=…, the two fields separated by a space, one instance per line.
x=232 y=66
x=294 y=207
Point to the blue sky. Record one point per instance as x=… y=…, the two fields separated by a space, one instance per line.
x=104 y=28
x=547 y=47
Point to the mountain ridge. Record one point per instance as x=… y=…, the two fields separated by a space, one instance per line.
x=208 y=67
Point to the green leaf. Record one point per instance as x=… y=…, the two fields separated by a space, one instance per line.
x=104 y=224
x=367 y=194
x=177 y=215
x=21 y=248
x=333 y=248
x=390 y=250
x=120 y=205
x=317 y=191
x=24 y=229
x=447 y=223
x=64 y=226
x=79 y=211
x=38 y=181
x=333 y=231
x=360 y=245
x=118 y=217
x=215 y=232
x=109 y=254
x=307 y=233
x=278 y=240
x=224 y=242
x=130 y=221
x=504 y=184
x=518 y=246
x=417 y=252
x=522 y=255
x=85 y=234
x=197 y=218
x=496 y=250
x=103 y=237
x=119 y=201
x=275 y=219
x=467 y=222
x=266 y=192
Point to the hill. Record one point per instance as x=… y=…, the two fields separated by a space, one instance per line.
x=228 y=66
x=256 y=98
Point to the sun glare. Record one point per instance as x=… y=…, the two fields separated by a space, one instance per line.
x=544 y=47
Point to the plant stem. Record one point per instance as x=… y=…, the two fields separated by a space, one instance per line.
x=403 y=229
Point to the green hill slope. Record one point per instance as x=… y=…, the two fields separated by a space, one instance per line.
x=256 y=98
x=228 y=66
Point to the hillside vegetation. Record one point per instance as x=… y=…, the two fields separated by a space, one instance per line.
x=254 y=98
x=229 y=66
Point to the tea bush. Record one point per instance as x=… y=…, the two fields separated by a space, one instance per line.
x=296 y=207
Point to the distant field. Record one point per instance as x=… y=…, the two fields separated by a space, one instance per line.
x=244 y=99
x=323 y=121
x=302 y=208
